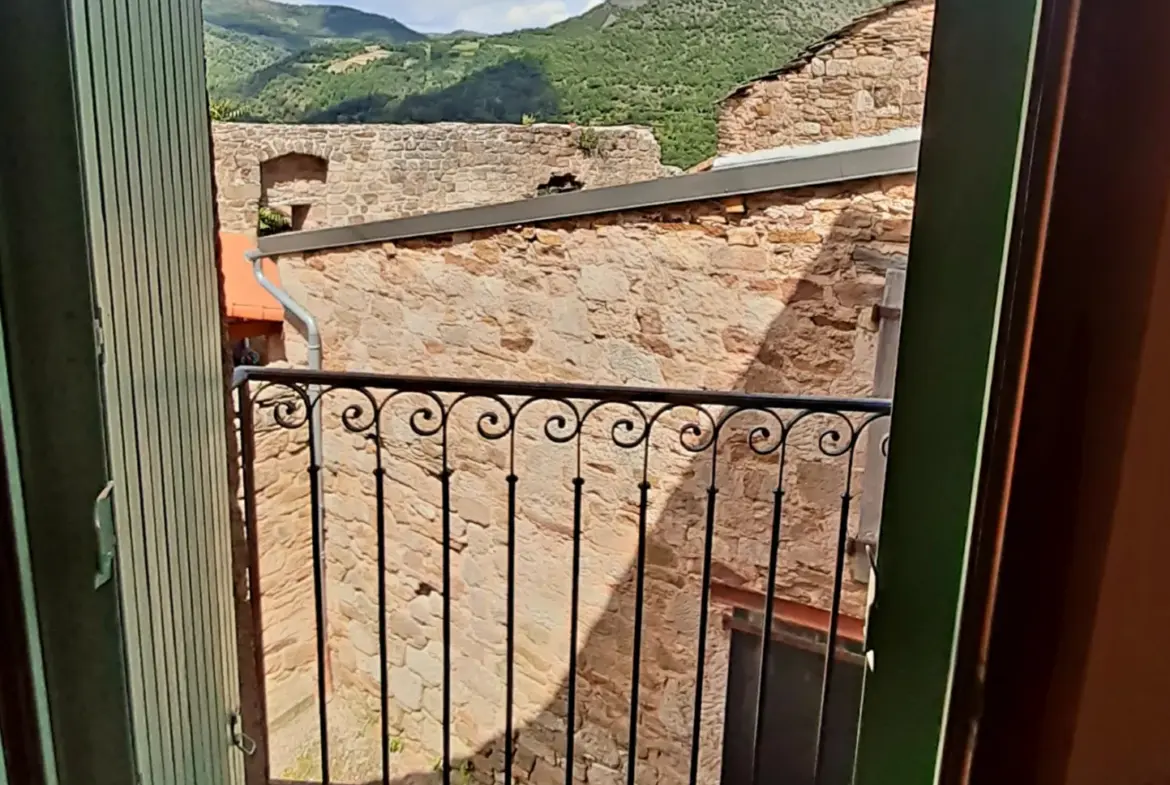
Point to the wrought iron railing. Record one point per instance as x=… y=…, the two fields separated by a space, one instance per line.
x=708 y=437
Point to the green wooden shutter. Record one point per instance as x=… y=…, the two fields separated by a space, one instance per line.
x=145 y=147
x=57 y=429
x=972 y=137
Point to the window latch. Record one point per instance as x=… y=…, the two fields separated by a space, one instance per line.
x=243 y=741
x=103 y=527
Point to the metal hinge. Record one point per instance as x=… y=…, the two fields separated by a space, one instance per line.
x=99 y=336
x=859 y=548
x=870 y=599
x=103 y=526
x=240 y=739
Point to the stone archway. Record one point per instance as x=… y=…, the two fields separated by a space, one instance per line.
x=295 y=184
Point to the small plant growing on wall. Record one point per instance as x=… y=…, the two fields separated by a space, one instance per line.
x=462 y=771
x=302 y=766
x=224 y=111
x=589 y=141
x=528 y=119
x=271 y=221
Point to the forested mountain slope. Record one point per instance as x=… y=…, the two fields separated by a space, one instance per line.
x=661 y=63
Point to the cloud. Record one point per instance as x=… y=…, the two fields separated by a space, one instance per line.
x=483 y=16
x=537 y=14
x=499 y=16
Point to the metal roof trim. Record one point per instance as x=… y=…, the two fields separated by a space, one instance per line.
x=877 y=157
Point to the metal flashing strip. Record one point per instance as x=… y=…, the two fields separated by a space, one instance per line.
x=818 y=150
x=856 y=163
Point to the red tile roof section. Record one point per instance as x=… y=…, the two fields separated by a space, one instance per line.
x=245 y=299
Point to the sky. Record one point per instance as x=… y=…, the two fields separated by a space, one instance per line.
x=483 y=16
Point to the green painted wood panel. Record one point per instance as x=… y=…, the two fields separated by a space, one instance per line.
x=145 y=137
x=973 y=131
x=10 y=460
x=58 y=427
x=37 y=723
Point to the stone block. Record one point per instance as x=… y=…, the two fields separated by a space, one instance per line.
x=406 y=687
x=545 y=773
x=603 y=775
x=740 y=258
x=856 y=294
x=791 y=236
x=427 y=663
x=603 y=282
x=403 y=626
x=742 y=235
x=363 y=639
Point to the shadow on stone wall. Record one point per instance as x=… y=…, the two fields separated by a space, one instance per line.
x=805 y=351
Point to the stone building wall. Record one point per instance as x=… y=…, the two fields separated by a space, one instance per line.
x=767 y=298
x=867 y=79
x=355 y=173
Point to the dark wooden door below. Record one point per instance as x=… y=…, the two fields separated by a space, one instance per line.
x=795 y=668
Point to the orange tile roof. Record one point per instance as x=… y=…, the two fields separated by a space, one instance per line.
x=244 y=297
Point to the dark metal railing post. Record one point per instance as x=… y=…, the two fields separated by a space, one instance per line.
x=319 y=594
x=639 y=591
x=246 y=579
x=383 y=656
x=445 y=480
x=834 y=620
x=574 y=602
x=769 y=602
x=704 y=596
x=509 y=737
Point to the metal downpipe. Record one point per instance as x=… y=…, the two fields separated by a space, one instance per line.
x=301 y=316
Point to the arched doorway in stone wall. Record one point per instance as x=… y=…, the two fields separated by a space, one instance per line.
x=293 y=188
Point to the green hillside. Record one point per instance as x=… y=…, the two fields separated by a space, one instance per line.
x=661 y=63
x=293 y=27
x=233 y=56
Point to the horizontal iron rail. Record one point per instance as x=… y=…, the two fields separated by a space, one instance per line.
x=666 y=395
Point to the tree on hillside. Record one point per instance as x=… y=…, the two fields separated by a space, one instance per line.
x=223 y=110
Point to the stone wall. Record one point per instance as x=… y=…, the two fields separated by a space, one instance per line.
x=868 y=79
x=355 y=173
x=762 y=295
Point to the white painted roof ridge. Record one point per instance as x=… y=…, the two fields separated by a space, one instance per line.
x=818 y=149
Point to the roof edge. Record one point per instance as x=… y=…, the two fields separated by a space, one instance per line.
x=805 y=56
x=819 y=164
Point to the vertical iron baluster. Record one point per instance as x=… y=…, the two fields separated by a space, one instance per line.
x=578 y=488
x=834 y=613
x=384 y=679
x=509 y=741
x=769 y=598
x=317 y=450
x=319 y=592
x=639 y=590
x=704 y=590
x=445 y=480
x=246 y=573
